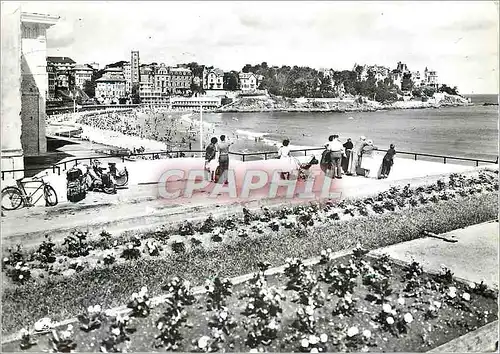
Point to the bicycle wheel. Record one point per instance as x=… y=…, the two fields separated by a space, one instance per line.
x=111 y=189
x=122 y=180
x=50 y=195
x=12 y=198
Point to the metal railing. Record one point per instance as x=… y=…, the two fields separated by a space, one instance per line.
x=244 y=157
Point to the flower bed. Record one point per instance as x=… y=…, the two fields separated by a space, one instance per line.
x=55 y=277
x=353 y=303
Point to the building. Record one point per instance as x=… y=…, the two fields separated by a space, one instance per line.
x=401 y=67
x=194 y=103
x=52 y=78
x=431 y=78
x=134 y=67
x=64 y=69
x=181 y=79
x=416 y=78
x=127 y=74
x=110 y=88
x=248 y=81
x=213 y=79
x=82 y=74
x=24 y=86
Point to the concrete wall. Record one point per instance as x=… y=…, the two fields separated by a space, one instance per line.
x=12 y=153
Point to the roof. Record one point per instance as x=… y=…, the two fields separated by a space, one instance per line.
x=113 y=70
x=246 y=75
x=83 y=67
x=180 y=69
x=103 y=79
x=60 y=60
x=34 y=17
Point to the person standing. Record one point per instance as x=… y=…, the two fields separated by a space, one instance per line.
x=367 y=158
x=209 y=156
x=355 y=162
x=334 y=146
x=348 y=146
x=223 y=149
x=387 y=162
x=284 y=154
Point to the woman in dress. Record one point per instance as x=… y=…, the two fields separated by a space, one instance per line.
x=367 y=158
x=348 y=146
x=210 y=153
x=284 y=154
x=387 y=162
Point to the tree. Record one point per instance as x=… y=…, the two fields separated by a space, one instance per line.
x=448 y=90
x=231 y=81
x=89 y=88
x=429 y=91
x=406 y=83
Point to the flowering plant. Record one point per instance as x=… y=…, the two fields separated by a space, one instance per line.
x=19 y=273
x=140 y=303
x=412 y=276
x=217 y=292
x=131 y=251
x=153 y=247
x=178 y=247
x=119 y=330
x=14 y=257
x=186 y=229
x=342 y=278
x=212 y=343
x=314 y=343
x=346 y=306
x=223 y=321
x=394 y=320
x=208 y=225
x=305 y=321
x=45 y=252
x=445 y=276
x=26 y=341
x=326 y=256
x=353 y=339
x=109 y=259
x=432 y=310
x=61 y=340
x=482 y=289
x=383 y=265
x=379 y=285
x=170 y=324
x=76 y=244
x=179 y=292
x=91 y=319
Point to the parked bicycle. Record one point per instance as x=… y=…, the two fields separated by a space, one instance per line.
x=15 y=197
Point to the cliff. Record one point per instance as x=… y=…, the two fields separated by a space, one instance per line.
x=281 y=104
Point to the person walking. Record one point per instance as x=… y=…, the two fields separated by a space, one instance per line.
x=210 y=153
x=334 y=146
x=223 y=149
x=387 y=162
x=348 y=146
x=284 y=154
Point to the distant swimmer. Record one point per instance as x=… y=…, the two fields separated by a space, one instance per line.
x=234 y=118
x=350 y=118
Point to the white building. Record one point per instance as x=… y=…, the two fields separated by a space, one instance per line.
x=431 y=78
x=194 y=103
x=111 y=87
x=134 y=67
x=248 y=81
x=82 y=74
x=127 y=74
x=213 y=79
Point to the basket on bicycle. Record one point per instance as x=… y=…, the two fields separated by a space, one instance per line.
x=76 y=189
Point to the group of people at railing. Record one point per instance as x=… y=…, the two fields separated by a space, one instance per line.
x=355 y=159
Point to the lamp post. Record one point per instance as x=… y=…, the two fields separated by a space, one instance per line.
x=201 y=129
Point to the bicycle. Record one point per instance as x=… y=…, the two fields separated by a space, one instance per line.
x=17 y=196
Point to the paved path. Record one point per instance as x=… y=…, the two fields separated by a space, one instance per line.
x=474 y=257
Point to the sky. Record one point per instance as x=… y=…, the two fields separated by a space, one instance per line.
x=458 y=39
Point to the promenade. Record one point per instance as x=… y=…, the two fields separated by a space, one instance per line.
x=140 y=206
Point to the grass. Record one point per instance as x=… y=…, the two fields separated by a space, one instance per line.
x=65 y=297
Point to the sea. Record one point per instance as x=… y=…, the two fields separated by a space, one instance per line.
x=470 y=131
